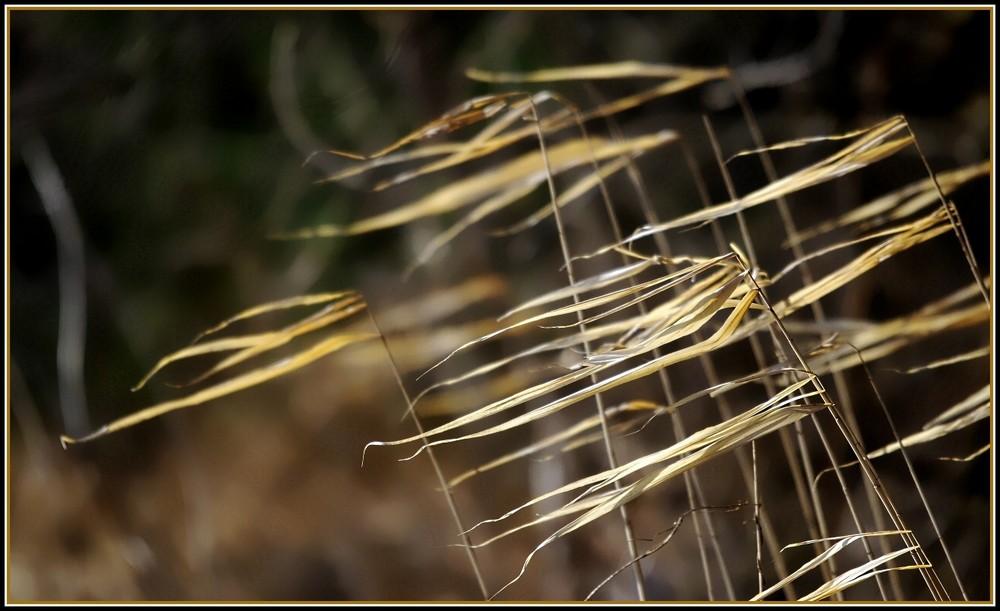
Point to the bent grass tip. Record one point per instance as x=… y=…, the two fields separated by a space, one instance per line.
x=345 y=304
x=65 y=440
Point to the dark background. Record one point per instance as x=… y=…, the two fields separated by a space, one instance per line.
x=182 y=139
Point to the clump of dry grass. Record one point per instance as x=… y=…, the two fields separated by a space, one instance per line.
x=688 y=371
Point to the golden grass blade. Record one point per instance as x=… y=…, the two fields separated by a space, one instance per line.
x=777 y=412
x=858 y=574
x=327 y=317
x=555 y=514
x=693 y=443
x=685 y=321
x=247 y=380
x=492 y=409
x=924 y=318
x=619 y=70
x=580 y=287
x=566 y=437
x=658 y=546
x=468 y=113
x=958 y=358
x=695 y=300
x=677 y=85
x=915 y=233
x=974 y=408
x=491 y=205
x=491 y=139
x=880 y=340
x=897 y=204
x=564 y=344
x=618 y=274
x=554 y=345
x=441 y=303
x=220 y=345
x=416 y=350
x=719 y=338
x=623 y=328
x=573 y=192
x=671 y=280
x=877 y=144
x=825 y=555
x=665 y=323
x=464 y=400
x=684 y=78
x=805 y=258
x=711 y=442
x=976 y=400
x=575 y=436
x=427 y=150
x=514 y=175
x=502 y=200
x=984 y=449
x=249 y=341
x=282 y=304
x=487 y=141
x=619 y=429
x=797 y=143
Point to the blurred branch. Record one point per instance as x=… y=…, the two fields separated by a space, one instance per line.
x=286 y=106
x=72 y=285
x=38 y=100
x=785 y=70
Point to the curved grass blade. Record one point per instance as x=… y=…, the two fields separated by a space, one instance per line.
x=877 y=144
x=880 y=340
x=861 y=573
x=716 y=340
x=974 y=408
x=660 y=545
x=915 y=233
x=322 y=319
x=441 y=303
x=576 y=435
x=619 y=274
x=258 y=343
x=467 y=113
x=689 y=300
x=768 y=417
x=897 y=204
x=252 y=378
x=958 y=358
x=827 y=553
x=566 y=437
x=491 y=139
x=695 y=442
x=514 y=175
x=619 y=70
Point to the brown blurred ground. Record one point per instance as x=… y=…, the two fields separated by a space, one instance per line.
x=164 y=127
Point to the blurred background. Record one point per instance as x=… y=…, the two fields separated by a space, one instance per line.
x=184 y=138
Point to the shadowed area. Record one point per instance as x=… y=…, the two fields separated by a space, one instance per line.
x=185 y=142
